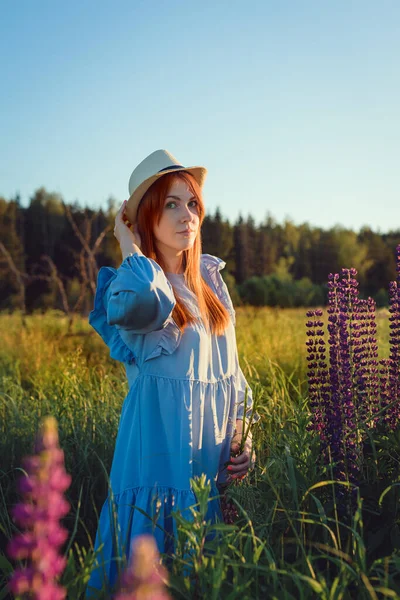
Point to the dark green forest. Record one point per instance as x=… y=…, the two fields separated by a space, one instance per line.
x=51 y=253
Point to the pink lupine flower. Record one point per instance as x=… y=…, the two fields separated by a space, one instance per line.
x=145 y=577
x=38 y=515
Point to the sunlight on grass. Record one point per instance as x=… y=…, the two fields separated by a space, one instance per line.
x=286 y=543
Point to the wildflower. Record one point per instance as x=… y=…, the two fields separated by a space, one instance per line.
x=331 y=389
x=365 y=354
x=393 y=384
x=357 y=387
x=347 y=402
x=145 y=577
x=317 y=371
x=38 y=514
x=229 y=510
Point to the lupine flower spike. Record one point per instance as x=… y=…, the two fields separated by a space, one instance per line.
x=394 y=341
x=38 y=515
x=145 y=577
x=332 y=389
x=355 y=392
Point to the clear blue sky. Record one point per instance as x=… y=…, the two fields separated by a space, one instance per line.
x=293 y=106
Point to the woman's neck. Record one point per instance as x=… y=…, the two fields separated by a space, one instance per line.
x=173 y=263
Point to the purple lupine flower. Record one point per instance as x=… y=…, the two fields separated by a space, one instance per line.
x=331 y=390
x=347 y=299
x=317 y=371
x=38 y=515
x=145 y=577
x=359 y=386
x=372 y=363
x=334 y=423
x=365 y=363
x=393 y=384
x=384 y=391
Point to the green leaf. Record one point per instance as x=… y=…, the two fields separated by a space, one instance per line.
x=5 y=565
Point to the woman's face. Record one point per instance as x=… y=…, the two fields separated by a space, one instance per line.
x=180 y=213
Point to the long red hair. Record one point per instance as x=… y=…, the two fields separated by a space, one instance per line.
x=213 y=312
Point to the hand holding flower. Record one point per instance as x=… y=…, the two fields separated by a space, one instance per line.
x=242 y=454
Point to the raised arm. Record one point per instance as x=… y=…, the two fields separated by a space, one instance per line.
x=136 y=296
x=140 y=297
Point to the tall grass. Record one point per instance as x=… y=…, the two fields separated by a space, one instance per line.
x=288 y=542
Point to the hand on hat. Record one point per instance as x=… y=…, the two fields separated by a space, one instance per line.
x=122 y=231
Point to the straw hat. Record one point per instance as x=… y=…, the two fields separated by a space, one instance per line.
x=153 y=167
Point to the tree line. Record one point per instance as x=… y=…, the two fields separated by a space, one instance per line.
x=50 y=253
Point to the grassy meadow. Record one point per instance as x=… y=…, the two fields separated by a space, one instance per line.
x=288 y=542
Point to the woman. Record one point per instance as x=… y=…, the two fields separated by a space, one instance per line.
x=167 y=314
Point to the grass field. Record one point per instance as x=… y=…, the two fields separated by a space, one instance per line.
x=288 y=542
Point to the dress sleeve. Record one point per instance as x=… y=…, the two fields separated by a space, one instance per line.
x=137 y=296
x=98 y=319
x=140 y=297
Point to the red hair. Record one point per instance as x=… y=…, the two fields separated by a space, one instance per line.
x=213 y=312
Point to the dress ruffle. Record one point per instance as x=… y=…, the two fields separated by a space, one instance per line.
x=168 y=340
x=136 y=511
x=213 y=265
x=98 y=319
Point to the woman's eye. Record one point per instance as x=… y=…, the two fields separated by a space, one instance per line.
x=193 y=202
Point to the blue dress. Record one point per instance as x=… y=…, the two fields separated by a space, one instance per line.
x=177 y=421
